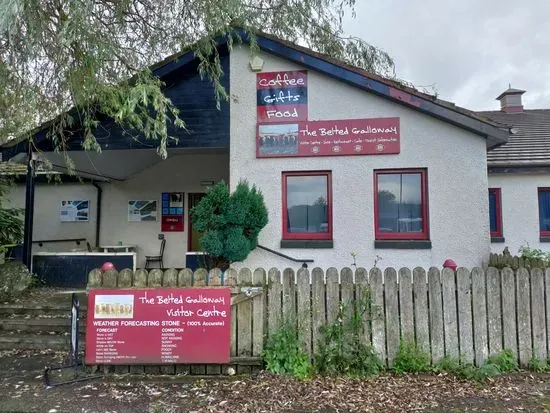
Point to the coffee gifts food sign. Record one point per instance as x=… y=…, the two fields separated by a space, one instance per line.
x=281 y=96
x=158 y=326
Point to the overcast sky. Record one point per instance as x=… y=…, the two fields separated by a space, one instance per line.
x=468 y=49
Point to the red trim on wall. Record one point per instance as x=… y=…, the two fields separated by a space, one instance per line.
x=307 y=235
x=497 y=192
x=542 y=189
x=425 y=234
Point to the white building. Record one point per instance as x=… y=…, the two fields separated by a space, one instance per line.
x=519 y=176
x=347 y=162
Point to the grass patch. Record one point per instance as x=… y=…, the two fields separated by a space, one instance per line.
x=284 y=355
x=411 y=359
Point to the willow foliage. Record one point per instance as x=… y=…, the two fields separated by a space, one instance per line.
x=94 y=56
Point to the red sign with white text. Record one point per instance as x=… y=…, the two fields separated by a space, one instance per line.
x=329 y=138
x=158 y=326
x=281 y=96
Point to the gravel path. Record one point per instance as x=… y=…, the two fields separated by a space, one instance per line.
x=21 y=390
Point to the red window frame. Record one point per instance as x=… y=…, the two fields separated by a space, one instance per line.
x=539 y=190
x=498 y=206
x=425 y=234
x=307 y=235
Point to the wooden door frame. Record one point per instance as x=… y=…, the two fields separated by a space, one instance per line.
x=189 y=223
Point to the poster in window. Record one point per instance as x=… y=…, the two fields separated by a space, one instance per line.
x=172 y=212
x=142 y=210
x=74 y=211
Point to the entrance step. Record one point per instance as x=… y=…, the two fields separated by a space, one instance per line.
x=37 y=342
x=57 y=325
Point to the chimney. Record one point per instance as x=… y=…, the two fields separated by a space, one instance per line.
x=510 y=100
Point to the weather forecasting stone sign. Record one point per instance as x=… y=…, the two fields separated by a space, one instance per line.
x=158 y=326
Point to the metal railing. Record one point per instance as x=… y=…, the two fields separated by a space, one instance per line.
x=304 y=261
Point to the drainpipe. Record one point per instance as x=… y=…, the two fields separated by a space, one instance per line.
x=98 y=214
x=29 y=212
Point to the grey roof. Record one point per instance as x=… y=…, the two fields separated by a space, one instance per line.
x=529 y=141
x=15 y=169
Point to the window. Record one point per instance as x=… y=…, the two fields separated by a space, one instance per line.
x=400 y=205
x=495 y=212
x=307 y=206
x=544 y=212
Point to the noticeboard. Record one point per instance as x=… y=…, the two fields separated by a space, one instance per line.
x=158 y=326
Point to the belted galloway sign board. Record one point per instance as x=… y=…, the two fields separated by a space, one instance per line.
x=377 y=136
x=158 y=326
x=281 y=96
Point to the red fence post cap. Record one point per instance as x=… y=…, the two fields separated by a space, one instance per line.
x=107 y=266
x=450 y=264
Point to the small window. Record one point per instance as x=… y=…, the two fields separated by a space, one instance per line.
x=400 y=204
x=495 y=212
x=307 y=205
x=544 y=211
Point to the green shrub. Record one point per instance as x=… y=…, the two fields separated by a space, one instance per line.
x=284 y=355
x=480 y=374
x=503 y=362
x=539 y=365
x=411 y=359
x=506 y=361
x=230 y=223
x=448 y=365
x=342 y=350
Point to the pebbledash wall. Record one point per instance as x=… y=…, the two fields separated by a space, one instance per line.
x=520 y=210
x=455 y=160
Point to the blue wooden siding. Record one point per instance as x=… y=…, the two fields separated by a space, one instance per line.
x=206 y=126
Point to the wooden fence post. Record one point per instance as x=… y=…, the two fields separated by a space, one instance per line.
x=259 y=311
x=274 y=315
x=479 y=315
x=363 y=297
x=464 y=303
x=185 y=278
x=406 y=305
x=392 y=314
x=450 y=319
x=494 y=311
x=509 y=325
x=140 y=278
x=376 y=284
x=436 y=315
x=289 y=296
x=524 y=316
x=230 y=280
x=244 y=322
x=538 y=314
x=333 y=295
x=318 y=307
x=125 y=278
x=421 y=319
x=303 y=310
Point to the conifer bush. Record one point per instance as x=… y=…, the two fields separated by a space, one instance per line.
x=230 y=223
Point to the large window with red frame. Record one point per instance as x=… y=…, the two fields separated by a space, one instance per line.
x=401 y=204
x=307 y=205
x=544 y=212
x=495 y=212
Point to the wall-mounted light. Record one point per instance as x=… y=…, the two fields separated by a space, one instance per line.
x=256 y=64
x=207 y=183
